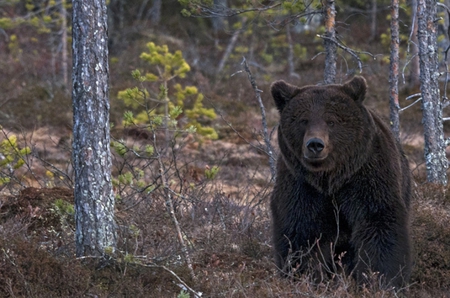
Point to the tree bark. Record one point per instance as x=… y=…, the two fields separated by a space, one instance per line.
x=64 y=59
x=393 y=71
x=94 y=200
x=290 y=57
x=435 y=157
x=155 y=12
x=414 y=73
x=330 y=46
x=218 y=23
x=373 y=23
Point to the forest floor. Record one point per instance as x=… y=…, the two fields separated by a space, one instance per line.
x=225 y=224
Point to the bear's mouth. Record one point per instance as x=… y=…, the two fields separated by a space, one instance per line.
x=314 y=162
x=314 y=158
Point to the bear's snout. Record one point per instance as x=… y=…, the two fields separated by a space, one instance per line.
x=315 y=145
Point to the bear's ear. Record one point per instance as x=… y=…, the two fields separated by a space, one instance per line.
x=282 y=92
x=356 y=88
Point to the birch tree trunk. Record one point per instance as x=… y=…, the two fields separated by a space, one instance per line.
x=94 y=201
x=330 y=46
x=393 y=71
x=435 y=158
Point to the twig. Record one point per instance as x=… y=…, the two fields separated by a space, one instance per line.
x=169 y=204
x=408 y=106
x=263 y=116
x=406 y=65
x=353 y=53
x=205 y=11
x=27 y=287
x=257 y=148
x=196 y=294
x=414 y=95
x=229 y=48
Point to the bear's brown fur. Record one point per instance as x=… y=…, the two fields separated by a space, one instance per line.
x=343 y=186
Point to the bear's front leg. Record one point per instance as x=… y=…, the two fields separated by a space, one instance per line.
x=381 y=245
x=303 y=232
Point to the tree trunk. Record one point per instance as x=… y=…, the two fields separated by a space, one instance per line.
x=290 y=57
x=218 y=23
x=330 y=46
x=373 y=23
x=155 y=12
x=415 y=67
x=435 y=158
x=393 y=71
x=94 y=200
x=64 y=59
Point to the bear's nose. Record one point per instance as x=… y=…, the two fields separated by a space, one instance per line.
x=315 y=145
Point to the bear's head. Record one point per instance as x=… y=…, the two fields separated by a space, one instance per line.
x=322 y=128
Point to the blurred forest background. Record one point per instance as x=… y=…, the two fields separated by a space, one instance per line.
x=220 y=175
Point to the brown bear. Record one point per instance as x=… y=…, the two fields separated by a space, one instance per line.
x=342 y=193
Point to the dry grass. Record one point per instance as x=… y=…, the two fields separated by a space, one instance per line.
x=225 y=223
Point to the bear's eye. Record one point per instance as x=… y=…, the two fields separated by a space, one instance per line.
x=330 y=123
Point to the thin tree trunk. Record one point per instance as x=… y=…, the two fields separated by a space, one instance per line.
x=218 y=23
x=290 y=53
x=330 y=46
x=141 y=10
x=394 y=71
x=94 y=201
x=155 y=12
x=435 y=157
x=414 y=68
x=229 y=48
x=64 y=59
x=121 y=13
x=373 y=23
x=269 y=149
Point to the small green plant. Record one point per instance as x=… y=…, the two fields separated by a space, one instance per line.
x=12 y=157
x=65 y=211
x=211 y=173
x=63 y=208
x=160 y=106
x=172 y=101
x=183 y=294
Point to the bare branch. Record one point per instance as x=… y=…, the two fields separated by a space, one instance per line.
x=229 y=48
x=414 y=95
x=408 y=106
x=352 y=52
x=171 y=210
x=407 y=63
x=214 y=11
x=263 y=115
x=196 y=294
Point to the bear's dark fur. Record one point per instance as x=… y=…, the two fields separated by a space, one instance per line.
x=343 y=187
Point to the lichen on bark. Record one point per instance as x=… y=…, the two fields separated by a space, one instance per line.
x=94 y=200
